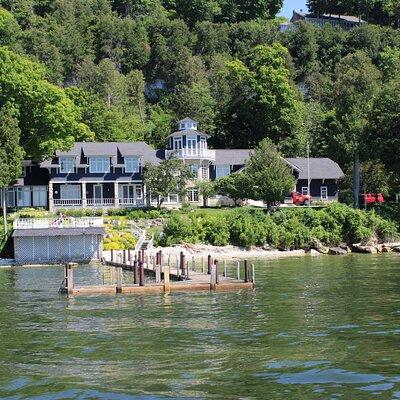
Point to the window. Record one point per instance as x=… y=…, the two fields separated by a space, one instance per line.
x=193 y=195
x=132 y=164
x=304 y=190
x=99 y=164
x=191 y=146
x=138 y=192
x=23 y=173
x=67 y=165
x=324 y=193
x=194 y=168
x=178 y=145
x=203 y=145
x=204 y=172
x=222 y=170
x=39 y=198
x=10 y=198
x=24 y=196
x=70 y=192
x=173 y=198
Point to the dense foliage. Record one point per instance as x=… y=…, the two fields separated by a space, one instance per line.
x=285 y=229
x=127 y=70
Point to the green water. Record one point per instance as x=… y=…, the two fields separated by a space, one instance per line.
x=314 y=328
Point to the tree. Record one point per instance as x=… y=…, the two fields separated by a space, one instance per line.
x=206 y=190
x=271 y=178
x=48 y=119
x=235 y=186
x=11 y=154
x=170 y=176
x=357 y=84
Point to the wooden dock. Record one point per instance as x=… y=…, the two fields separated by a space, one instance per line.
x=182 y=278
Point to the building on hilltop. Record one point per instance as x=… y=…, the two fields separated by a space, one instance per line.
x=110 y=174
x=344 y=21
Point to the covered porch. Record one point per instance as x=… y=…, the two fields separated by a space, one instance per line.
x=97 y=194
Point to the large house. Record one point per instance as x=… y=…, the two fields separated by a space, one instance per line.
x=110 y=174
x=346 y=22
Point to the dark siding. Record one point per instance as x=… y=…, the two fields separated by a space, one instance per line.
x=36 y=176
x=315 y=187
x=108 y=190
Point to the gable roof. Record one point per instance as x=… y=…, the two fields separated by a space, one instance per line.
x=110 y=149
x=194 y=132
x=332 y=17
x=320 y=168
x=187 y=119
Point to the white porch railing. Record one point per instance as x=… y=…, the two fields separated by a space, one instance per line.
x=67 y=202
x=131 y=202
x=59 y=222
x=192 y=153
x=100 y=202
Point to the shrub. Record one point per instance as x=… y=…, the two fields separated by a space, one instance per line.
x=119 y=241
x=215 y=231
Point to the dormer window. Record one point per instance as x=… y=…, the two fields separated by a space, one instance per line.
x=132 y=164
x=67 y=165
x=99 y=165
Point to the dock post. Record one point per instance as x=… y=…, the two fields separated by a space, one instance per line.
x=209 y=263
x=119 y=280
x=187 y=270
x=193 y=264
x=141 y=273
x=161 y=258
x=213 y=277
x=183 y=262
x=246 y=271
x=166 y=278
x=252 y=275
x=112 y=255
x=70 y=279
x=158 y=273
x=238 y=270
x=129 y=256
x=202 y=265
x=146 y=264
x=169 y=259
x=216 y=270
x=178 y=268
x=225 y=271
x=124 y=256
x=135 y=271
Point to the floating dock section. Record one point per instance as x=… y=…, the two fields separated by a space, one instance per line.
x=184 y=277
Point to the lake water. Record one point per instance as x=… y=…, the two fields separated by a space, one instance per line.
x=314 y=328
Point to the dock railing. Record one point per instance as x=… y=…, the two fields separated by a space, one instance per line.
x=58 y=222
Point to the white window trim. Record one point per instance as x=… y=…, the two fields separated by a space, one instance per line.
x=99 y=158
x=191 y=197
x=222 y=166
x=71 y=169
x=128 y=170
x=66 y=190
x=326 y=189
x=191 y=151
x=304 y=190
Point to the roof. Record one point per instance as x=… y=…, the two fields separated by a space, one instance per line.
x=59 y=232
x=188 y=132
x=231 y=157
x=187 y=119
x=320 y=168
x=348 y=18
x=110 y=149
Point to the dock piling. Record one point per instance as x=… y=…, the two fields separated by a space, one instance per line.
x=141 y=273
x=209 y=263
x=246 y=271
x=225 y=270
x=238 y=270
x=202 y=265
x=252 y=275
x=216 y=270
x=166 y=278
x=119 y=279
x=135 y=271
x=70 y=279
x=158 y=273
x=213 y=277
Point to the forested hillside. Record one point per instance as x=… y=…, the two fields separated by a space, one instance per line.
x=127 y=70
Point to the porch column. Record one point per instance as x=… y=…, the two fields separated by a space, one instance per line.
x=83 y=195
x=116 y=194
x=51 y=199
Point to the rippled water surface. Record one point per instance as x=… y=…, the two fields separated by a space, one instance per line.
x=314 y=328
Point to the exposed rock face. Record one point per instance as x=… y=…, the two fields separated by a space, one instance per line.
x=317 y=245
x=337 y=251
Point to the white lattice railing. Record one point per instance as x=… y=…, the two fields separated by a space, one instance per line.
x=100 y=202
x=67 y=202
x=59 y=222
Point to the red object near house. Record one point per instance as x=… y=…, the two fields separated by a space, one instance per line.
x=371 y=199
x=301 y=199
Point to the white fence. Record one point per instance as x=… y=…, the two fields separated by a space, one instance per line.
x=59 y=222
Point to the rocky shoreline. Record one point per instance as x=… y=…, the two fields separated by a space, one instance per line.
x=357 y=248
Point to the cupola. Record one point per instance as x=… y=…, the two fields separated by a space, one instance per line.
x=187 y=123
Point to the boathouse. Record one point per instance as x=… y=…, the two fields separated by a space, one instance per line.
x=50 y=240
